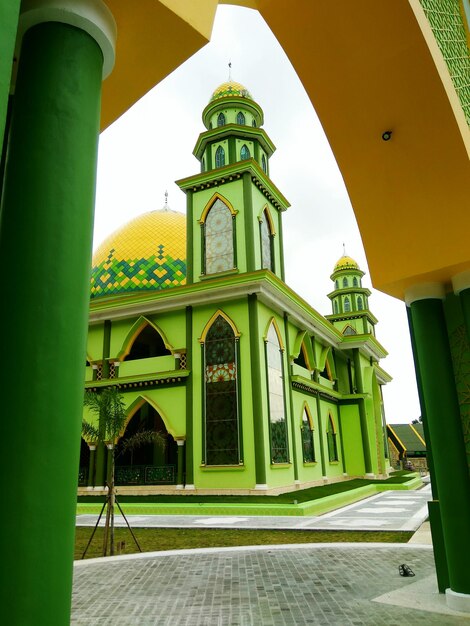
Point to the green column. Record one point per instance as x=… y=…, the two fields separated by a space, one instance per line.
x=293 y=418
x=189 y=398
x=45 y=252
x=91 y=465
x=362 y=412
x=249 y=222
x=258 y=419
x=465 y=303
x=445 y=435
x=179 y=479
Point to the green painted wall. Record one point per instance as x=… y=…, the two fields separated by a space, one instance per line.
x=95 y=342
x=351 y=429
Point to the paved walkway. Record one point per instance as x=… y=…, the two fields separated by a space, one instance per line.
x=391 y=510
x=312 y=584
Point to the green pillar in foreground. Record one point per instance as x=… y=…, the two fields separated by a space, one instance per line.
x=446 y=440
x=45 y=250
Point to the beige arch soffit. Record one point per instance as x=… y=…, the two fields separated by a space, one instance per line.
x=139 y=403
x=208 y=207
x=273 y=322
x=212 y=320
x=134 y=332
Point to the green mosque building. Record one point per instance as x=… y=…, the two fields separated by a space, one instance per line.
x=191 y=318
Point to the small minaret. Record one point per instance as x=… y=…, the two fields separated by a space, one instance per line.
x=349 y=300
x=234 y=210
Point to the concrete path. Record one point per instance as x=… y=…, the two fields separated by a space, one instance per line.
x=312 y=584
x=391 y=510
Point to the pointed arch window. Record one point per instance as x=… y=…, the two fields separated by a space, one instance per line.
x=345 y=282
x=221 y=119
x=331 y=440
x=347 y=305
x=301 y=358
x=276 y=399
x=264 y=164
x=245 y=152
x=354 y=281
x=220 y=157
x=267 y=256
x=308 y=448
x=360 y=304
x=335 y=306
x=336 y=284
x=218 y=239
x=240 y=118
x=221 y=423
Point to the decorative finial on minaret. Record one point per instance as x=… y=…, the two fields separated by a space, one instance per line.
x=166 y=200
x=230 y=71
x=344 y=249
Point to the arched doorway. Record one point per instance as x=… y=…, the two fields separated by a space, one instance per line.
x=149 y=463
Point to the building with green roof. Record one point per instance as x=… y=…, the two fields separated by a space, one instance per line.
x=191 y=318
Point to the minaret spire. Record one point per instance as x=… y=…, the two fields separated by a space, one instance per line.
x=229 y=71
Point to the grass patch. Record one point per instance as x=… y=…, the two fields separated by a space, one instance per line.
x=302 y=495
x=153 y=539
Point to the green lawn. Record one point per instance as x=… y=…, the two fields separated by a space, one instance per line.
x=300 y=496
x=152 y=539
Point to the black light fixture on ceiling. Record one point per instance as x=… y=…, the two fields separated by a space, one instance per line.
x=387 y=135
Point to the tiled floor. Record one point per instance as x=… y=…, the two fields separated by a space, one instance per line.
x=266 y=586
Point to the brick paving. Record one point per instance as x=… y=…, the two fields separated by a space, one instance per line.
x=314 y=584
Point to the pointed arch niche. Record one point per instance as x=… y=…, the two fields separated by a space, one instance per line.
x=276 y=395
x=308 y=445
x=144 y=340
x=218 y=233
x=150 y=463
x=267 y=232
x=331 y=439
x=221 y=419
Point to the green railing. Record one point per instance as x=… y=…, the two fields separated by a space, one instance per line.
x=145 y=475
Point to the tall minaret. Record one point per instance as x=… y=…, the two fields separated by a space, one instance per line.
x=349 y=299
x=234 y=210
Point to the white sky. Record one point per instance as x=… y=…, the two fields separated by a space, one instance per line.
x=148 y=148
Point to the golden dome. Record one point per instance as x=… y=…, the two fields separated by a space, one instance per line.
x=147 y=253
x=231 y=88
x=346 y=263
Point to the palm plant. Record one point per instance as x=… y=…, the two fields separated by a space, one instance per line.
x=109 y=408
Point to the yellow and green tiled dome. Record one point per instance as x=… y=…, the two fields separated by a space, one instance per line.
x=346 y=263
x=147 y=253
x=231 y=88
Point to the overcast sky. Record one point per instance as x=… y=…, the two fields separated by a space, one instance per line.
x=148 y=148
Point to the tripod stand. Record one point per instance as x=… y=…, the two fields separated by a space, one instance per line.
x=110 y=499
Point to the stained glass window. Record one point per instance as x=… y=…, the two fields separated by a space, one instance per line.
x=220 y=157
x=244 y=153
x=264 y=164
x=277 y=410
x=331 y=440
x=221 y=119
x=218 y=239
x=308 y=449
x=221 y=402
x=266 y=244
x=360 y=305
x=347 y=305
x=240 y=118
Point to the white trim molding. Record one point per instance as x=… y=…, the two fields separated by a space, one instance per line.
x=91 y=16
x=424 y=291
x=461 y=281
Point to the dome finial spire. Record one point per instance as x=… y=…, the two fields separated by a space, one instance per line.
x=344 y=249
x=229 y=71
x=166 y=207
